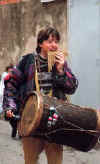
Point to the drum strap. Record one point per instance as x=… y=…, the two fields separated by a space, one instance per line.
x=36 y=80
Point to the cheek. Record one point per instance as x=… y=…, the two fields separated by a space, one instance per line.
x=47 y=47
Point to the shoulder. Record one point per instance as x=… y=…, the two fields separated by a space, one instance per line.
x=25 y=61
x=27 y=57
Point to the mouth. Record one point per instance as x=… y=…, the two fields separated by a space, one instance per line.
x=52 y=50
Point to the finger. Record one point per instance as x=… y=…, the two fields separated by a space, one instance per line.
x=59 y=60
x=59 y=57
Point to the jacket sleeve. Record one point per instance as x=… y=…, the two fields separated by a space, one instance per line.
x=12 y=85
x=67 y=81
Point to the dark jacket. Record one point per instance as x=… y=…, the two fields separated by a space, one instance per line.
x=21 y=83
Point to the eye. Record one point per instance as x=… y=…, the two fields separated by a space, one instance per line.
x=56 y=41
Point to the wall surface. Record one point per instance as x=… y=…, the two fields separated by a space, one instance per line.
x=20 y=23
x=84 y=44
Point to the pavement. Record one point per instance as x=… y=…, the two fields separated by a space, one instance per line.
x=11 y=151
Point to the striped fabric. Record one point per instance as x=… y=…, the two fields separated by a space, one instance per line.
x=44 y=77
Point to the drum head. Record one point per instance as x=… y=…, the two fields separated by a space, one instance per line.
x=31 y=114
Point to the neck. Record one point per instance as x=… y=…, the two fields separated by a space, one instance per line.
x=44 y=55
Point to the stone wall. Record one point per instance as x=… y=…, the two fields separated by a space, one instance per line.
x=20 y=23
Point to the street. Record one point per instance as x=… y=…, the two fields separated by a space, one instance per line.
x=11 y=151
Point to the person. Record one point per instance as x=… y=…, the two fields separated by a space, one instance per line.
x=3 y=75
x=60 y=80
x=2 y=90
x=1 y=95
x=12 y=121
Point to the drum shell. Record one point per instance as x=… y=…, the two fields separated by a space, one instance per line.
x=72 y=125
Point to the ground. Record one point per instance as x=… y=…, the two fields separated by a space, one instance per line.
x=11 y=151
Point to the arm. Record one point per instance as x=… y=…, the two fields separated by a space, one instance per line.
x=12 y=86
x=65 y=80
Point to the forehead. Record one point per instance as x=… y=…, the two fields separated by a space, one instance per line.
x=52 y=37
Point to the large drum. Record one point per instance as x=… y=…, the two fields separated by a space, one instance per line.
x=60 y=122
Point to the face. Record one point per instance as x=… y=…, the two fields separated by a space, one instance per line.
x=49 y=45
x=10 y=70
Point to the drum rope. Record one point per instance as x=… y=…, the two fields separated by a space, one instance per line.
x=95 y=133
x=92 y=132
x=79 y=128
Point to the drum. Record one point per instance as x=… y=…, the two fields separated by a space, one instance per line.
x=59 y=122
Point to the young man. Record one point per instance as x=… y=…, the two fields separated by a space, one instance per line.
x=60 y=80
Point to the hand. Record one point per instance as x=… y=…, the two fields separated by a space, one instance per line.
x=9 y=114
x=59 y=60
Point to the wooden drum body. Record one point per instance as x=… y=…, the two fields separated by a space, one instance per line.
x=59 y=122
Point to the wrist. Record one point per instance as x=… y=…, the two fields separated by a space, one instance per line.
x=60 y=68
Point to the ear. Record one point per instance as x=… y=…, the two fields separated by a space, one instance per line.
x=40 y=45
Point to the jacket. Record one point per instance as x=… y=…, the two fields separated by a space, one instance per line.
x=22 y=82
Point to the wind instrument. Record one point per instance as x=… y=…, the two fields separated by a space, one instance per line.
x=51 y=58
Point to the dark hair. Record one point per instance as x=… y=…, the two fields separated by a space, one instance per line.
x=9 y=67
x=44 y=35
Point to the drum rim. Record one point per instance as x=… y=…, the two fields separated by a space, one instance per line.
x=38 y=115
